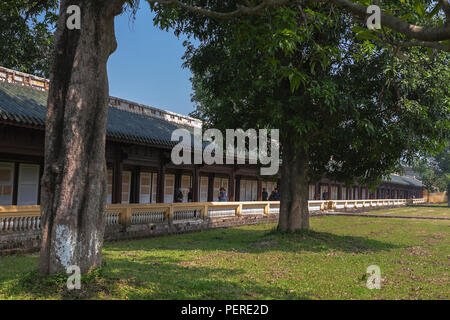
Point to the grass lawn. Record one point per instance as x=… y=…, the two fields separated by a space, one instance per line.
x=253 y=262
x=425 y=210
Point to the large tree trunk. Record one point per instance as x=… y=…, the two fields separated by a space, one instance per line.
x=294 y=213
x=74 y=182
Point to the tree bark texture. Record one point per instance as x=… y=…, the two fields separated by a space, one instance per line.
x=294 y=213
x=74 y=190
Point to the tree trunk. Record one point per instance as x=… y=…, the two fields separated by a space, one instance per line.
x=74 y=191
x=448 y=194
x=294 y=213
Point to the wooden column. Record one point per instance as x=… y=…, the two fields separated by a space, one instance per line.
x=259 y=190
x=160 y=188
x=195 y=184
x=177 y=181
x=237 y=192
x=117 y=178
x=339 y=195
x=231 y=185
x=317 y=194
x=16 y=184
x=329 y=191
x=211 y=188
x=135 y=185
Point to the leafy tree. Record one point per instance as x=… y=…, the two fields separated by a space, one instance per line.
x=428 y=170
x=428 y=175
x=26 y=30
x=435 y=171
x=74 y=182
x=346 y=108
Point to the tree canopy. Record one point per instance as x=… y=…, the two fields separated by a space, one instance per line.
x=27 y=26
x=26 y=30
x=348 y=107
x=405 y=23
x=336 y=91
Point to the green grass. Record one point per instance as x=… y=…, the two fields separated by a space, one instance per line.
x=426 y=210
x=254 y=262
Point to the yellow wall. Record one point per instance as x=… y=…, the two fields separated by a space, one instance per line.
x=435 y=197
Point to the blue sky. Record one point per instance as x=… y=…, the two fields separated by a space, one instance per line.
x=147 y=65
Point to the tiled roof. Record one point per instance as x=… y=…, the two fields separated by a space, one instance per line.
x=403 y=180
x=26 y=105
x=22 y=104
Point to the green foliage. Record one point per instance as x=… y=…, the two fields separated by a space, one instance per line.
x=443 y=161
x=350 y=105
x=26 y=33
x=435 y=170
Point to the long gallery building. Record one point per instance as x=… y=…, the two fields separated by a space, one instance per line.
x=138 y=152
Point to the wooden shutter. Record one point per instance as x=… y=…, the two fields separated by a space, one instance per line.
x=154 y=187
x=28 y=184
x=203 y=189
x=169 y=188
x=126 y=186
x=6 y=183
x=145 y=187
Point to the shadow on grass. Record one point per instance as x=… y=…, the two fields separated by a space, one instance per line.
x=156 y=278
x=169 y=267
x=257 y=241
x=147 y=277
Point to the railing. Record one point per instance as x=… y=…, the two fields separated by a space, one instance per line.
x=23 y=218
x=19 y=218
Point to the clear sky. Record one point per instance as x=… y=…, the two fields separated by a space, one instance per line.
x=147 y=65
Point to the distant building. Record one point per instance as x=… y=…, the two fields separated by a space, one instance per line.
x=138 y=156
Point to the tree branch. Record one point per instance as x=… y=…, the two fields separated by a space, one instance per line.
x=423 y=34
x=432 y=34
x=240 y=9
x=427 y=44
